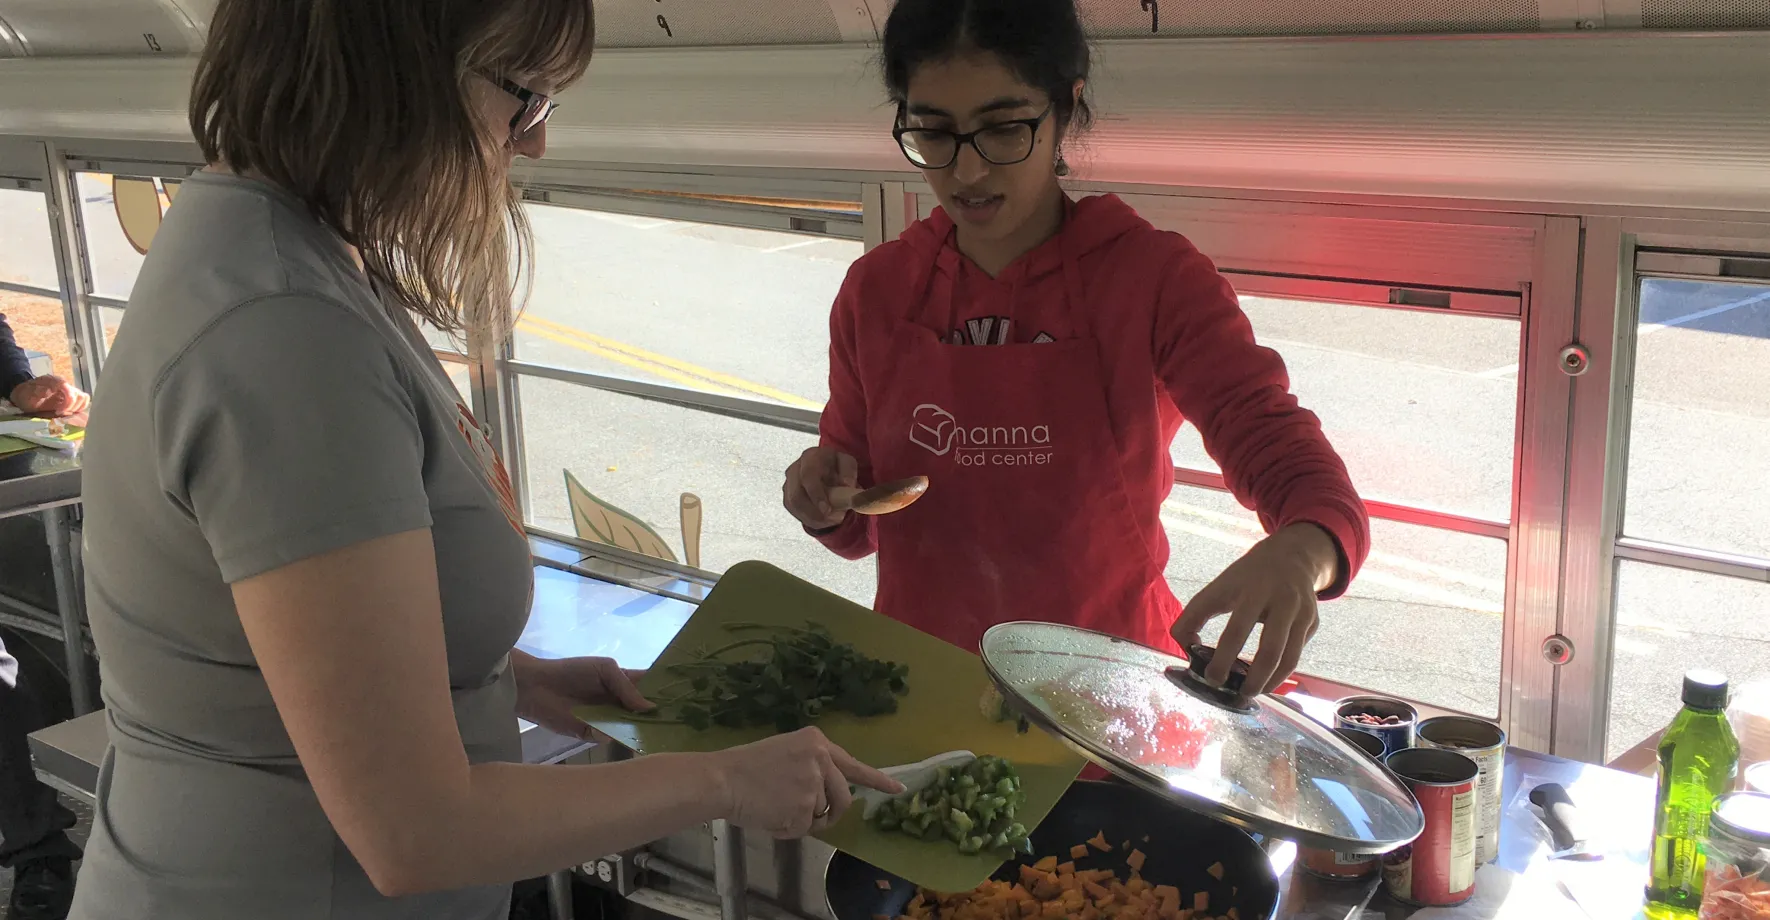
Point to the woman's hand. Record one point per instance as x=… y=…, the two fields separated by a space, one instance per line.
x=806 y=493
x=791 y=785
x=547 y=689
x=49 y=395
x=1275 y=583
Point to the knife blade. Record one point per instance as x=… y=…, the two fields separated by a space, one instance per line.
x=1603 y=890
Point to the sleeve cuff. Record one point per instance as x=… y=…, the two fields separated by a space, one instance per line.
x=1350 y=547
x=1342 y=568
x=10 y=382
x=822 y=532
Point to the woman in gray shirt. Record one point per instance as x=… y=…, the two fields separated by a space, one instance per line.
x=305 y=571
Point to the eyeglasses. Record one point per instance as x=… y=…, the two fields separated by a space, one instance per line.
x=536 y=107
x=1004 y=143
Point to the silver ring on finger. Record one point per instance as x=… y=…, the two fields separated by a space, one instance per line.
x=822 y=813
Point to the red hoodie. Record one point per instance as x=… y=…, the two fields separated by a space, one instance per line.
x=1041 y=404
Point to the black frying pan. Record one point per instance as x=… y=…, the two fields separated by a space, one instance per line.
x=1182 y=845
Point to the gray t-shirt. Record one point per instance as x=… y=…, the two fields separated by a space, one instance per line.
x=260 y=407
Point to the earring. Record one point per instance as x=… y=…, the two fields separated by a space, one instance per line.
x=1062 y=166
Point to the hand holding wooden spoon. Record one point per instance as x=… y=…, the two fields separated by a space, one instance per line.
x=809 y=480
x=883 y=498
x=822 y=487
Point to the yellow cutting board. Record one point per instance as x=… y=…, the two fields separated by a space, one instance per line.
x=12 y=445
x=941 y=712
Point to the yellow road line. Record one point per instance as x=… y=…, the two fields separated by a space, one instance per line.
x=709 y=379
x=619 y=358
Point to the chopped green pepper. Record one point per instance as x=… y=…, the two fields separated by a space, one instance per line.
x=973 y=807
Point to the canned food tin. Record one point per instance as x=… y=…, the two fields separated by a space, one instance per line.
x=1737 y=852
x=1336 y=866
x=1756 y=778
x=1370 y=744
x=1389 y=719
x=1484 y=743
x=1438 y=869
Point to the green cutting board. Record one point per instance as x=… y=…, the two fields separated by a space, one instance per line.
x=941 y=712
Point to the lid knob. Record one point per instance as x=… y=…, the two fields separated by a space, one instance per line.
x=1192 y=679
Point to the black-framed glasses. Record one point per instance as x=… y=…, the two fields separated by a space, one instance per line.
x=1004 y=143
x=536 y=107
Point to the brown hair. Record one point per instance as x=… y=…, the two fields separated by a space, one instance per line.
x=363 y=109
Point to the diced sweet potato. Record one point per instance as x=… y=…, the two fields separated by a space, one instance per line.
x=1078 y=851
x=1098 y=842
x=1053 y=890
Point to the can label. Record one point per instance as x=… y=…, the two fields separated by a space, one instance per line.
x=1330 y=864
x=1462 y=841
x=1438 y=868
x=1487 y=788
x=1460 y=734
x=1398 y=872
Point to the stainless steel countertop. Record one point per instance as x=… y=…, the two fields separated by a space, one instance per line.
x=1616 y=809
x=35 y=479
x=603 y=603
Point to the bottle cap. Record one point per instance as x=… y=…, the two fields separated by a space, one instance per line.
x=1706 y=690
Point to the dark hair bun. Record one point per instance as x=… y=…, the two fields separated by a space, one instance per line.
x=1041 y=41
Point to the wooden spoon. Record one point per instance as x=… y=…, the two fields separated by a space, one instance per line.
x=883 y=498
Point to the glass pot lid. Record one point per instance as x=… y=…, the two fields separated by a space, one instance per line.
x=1146 y=716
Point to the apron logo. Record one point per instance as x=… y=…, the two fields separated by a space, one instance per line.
x=931 y=428
x=938 y=432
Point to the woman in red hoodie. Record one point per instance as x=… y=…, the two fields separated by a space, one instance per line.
x=1034 y=356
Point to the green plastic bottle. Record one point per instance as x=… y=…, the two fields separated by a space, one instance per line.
x=1698 y=759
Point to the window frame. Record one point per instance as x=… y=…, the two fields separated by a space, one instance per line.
x=1620 y=253
x=500 y=387
x=1573 y=269
x=1596 y=439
